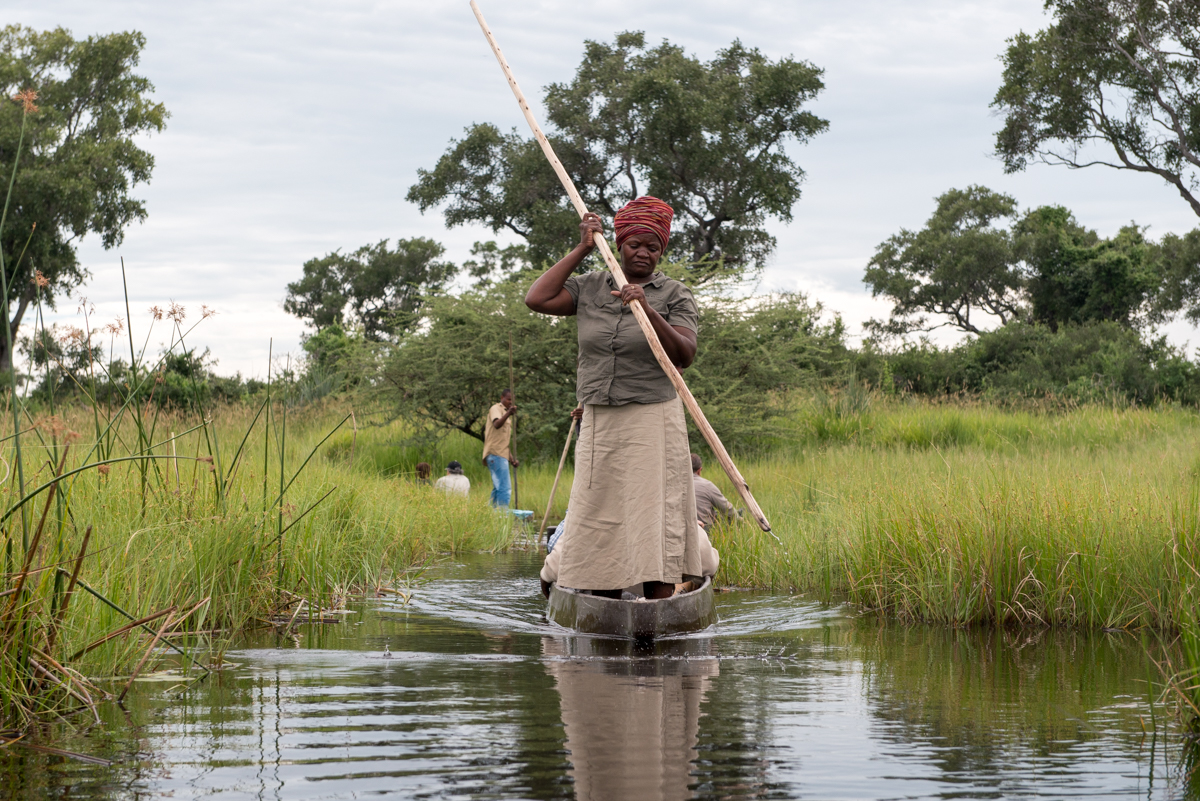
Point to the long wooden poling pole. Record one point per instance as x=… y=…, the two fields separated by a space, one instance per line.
x=512 y=443
x=664 y=361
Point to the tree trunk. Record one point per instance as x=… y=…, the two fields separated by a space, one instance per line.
x=6 y=360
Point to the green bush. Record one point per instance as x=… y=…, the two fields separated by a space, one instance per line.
x=751 y=361
x=1089 y=362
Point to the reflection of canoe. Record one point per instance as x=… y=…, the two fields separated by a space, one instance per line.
x=631 y=724
x=641 y=619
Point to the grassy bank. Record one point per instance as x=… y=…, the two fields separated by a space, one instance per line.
x=969 y=515
x=195 y=534
x=960 y=514
x=957 y=513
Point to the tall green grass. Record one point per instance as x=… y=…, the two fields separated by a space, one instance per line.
x=967 y=515
x=126 y=525
x=186 y=538
x=955 y=513
x=959 y=514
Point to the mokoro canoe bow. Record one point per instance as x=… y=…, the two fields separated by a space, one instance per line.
x=633 y=619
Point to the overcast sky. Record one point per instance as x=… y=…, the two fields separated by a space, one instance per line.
x=297 y=127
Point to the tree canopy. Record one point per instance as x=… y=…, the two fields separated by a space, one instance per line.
x=1111 y=82
x=1179 y=265
x=959 y=266
x=1071 y=275
x=80 y=158
x=377 y=288
x=445 y=376
x=1090 y=362
x=708 y=138
x=1044 y=267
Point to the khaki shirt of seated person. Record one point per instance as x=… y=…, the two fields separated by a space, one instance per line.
x=708 y=500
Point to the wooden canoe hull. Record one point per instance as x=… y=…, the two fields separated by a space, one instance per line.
x=608 y=617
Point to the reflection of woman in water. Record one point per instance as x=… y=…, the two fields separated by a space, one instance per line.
x=631 y=725
x=633 y=506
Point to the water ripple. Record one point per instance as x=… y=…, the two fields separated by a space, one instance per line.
x=481 y=698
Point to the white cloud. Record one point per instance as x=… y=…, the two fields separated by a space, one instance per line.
x=297 y=128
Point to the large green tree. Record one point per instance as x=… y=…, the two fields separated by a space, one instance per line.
x=707 y=137
x=1043 y=267
x=960 y=266
x=753 y=358
x=376 y=287
x=1110 y=82
x=1072 y=275
x=80 y=159
x=446 y=375
x=1178 y=257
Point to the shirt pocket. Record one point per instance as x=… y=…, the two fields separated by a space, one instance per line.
x=603 y=319
x=603 y=302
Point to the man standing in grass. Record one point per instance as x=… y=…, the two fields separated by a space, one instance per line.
x=497 y=430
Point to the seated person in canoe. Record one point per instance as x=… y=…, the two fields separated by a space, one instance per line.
x=633 y=506
x=710 y=501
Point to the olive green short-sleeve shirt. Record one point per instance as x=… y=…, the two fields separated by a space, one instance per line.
x=616 y=365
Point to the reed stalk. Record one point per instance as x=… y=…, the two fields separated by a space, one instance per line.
x=8 y=334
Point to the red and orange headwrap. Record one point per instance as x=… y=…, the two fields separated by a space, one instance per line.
x=646 y=215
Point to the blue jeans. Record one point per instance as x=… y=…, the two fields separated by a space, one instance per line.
x=501 y=486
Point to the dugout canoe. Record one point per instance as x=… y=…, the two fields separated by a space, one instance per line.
x=633 y=619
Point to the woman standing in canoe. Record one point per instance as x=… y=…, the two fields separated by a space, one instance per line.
x=633 y=508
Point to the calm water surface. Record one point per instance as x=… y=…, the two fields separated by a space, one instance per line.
x=483 y=699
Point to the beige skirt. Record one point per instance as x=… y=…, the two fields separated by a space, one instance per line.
x=633 y=507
